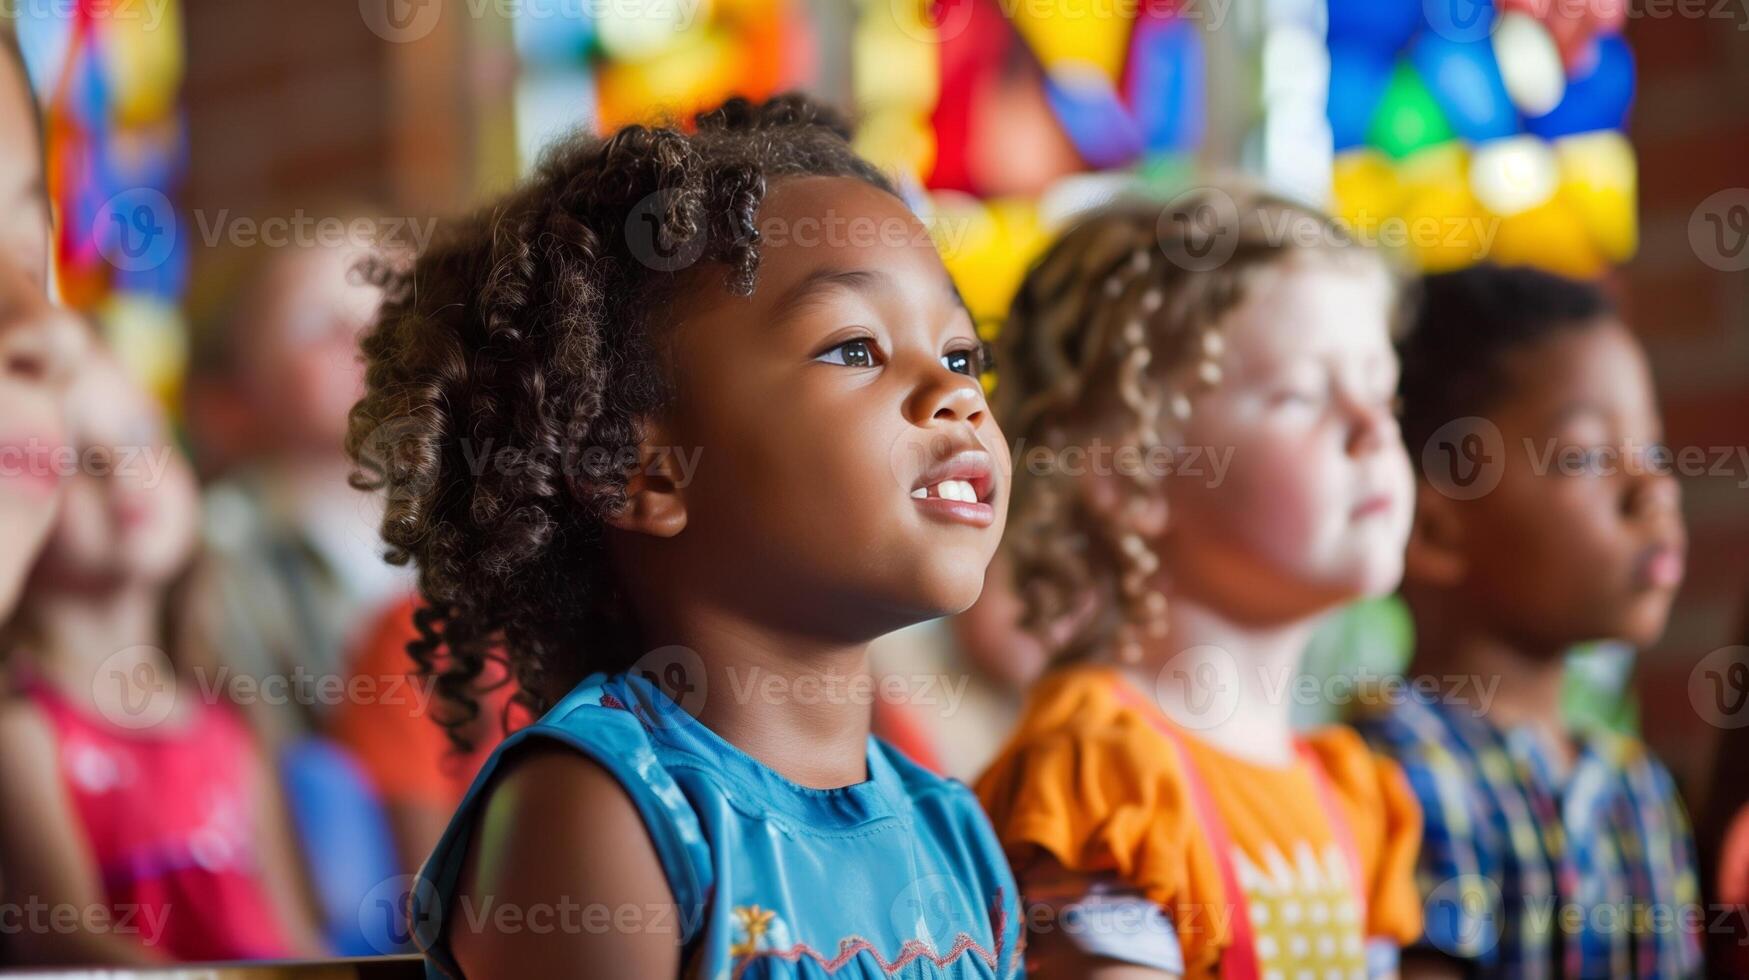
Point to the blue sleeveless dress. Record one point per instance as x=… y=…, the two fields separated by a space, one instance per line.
x=897 y=876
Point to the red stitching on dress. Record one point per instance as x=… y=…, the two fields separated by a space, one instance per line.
x=913 y=950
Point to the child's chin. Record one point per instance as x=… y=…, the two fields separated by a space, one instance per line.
x=942 y=593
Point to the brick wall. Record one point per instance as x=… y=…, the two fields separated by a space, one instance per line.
x=1691 y=127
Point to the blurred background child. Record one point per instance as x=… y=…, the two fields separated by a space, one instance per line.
x=297 y=569
x=1547 y=516
x=1242 y=348
x=126 y=787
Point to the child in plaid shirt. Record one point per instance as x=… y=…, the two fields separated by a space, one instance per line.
x=1544 y=519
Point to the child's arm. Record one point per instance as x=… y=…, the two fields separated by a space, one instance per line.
x=1426 y=965
x=1054 y=953
x=559 y=833
x=1054 y=956
x=48 y=866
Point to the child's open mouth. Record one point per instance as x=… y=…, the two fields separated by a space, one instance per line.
x=958 y=489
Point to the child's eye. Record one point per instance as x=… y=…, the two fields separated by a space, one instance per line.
x=851 y=353
x=969 y=361
x=1297 y=397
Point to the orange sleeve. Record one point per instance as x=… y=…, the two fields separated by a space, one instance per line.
x=1386 y=821
x=1107 y=802
x=394 y=739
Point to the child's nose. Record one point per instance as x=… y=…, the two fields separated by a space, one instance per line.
x=1371 y=427
x=38 y=342
x=948 y=396
x=1652 y=493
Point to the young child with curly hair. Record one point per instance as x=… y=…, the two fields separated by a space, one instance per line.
x=1213 y=465
x=680 y=426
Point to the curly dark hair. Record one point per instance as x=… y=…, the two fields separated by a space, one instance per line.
x=1466 y=325
x=511 y=362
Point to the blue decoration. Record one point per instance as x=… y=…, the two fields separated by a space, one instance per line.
x=1461 y=20
x=1381 y=26
x=1358 y=77
x=1599 y=99
x=1167 y=83
x=1464 y=78
x=1094 y=118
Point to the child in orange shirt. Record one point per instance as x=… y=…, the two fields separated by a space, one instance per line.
x=1208 y=464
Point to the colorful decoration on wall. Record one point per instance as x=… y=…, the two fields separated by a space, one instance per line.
x=108 y=76
x=1487 y=128
x=607 y=65
x=1009 y=116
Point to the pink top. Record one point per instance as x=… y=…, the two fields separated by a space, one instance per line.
x=169 y=818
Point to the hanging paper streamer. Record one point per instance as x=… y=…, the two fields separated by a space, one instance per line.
x=992 y=107
x=108 y=76
x=605 y=65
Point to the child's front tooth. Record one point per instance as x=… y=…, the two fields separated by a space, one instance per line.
x=920 y=493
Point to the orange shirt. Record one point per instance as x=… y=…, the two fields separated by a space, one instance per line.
x=1089 y=778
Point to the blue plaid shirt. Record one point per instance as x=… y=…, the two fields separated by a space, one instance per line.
x=1529 y=876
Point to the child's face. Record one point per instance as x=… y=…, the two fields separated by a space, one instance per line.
x=1314 y=506
x=817 y=407
x=130 y=512
x=36 y=341
x=1582 y=539
x=301 y=371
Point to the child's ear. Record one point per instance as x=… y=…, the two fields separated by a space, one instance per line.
x=1435 y=553
x=655 y=487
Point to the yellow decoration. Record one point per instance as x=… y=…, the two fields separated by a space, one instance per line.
x=1550 y=236
x=987 y=247
x=894 y=67
x=142 y=60
x=147 y=334
x=1443 y=228
x=1599 y=181
x=898 y=140
x=1064 y=32
x=1365 y=187
x=694 y=74
x=1445 y=165
x=637 y=31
